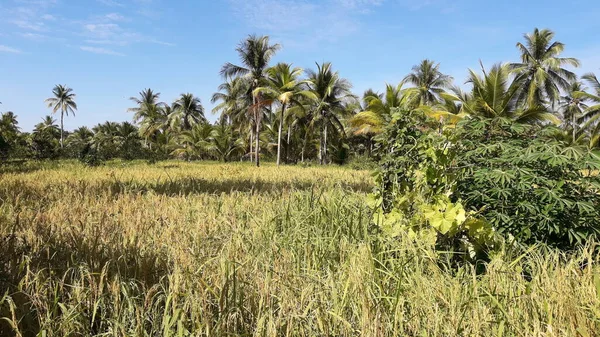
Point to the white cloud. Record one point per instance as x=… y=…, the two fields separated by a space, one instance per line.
x=115 y=17
x=102 y=30
x=303 y=23
x=29 y=25
x=444 y=6
x=98 y=50
x=359 y=3
x=7 y=49
x=111 y=3
x=107 y=42
x=48 y=17
x=33 y=36
x=34 y=20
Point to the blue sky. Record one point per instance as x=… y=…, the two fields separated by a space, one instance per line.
x=109 y=50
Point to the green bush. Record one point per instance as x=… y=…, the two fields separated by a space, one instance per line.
x=526 y=183
x=486 y=180
x=414 y=182
x=362 y=162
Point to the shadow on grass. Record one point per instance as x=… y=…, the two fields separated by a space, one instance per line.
x=50 y=272
x=20 y=166
x=188 y=186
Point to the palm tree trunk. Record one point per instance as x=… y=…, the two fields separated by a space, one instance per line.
x=287 y=149
x=251 y=143
x=321 y=148
x=325 y=145
x=279 y=135
x=257 y=120
x=62 y=113
x=257 y=145
x=574 y=129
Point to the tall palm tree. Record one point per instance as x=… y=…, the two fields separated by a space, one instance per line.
x=494 y=95
x=428 y=82
x=540 y=73
x=155 y=122
x=187 y=111
x=332 y=93
x=145 y=104
x=284 y=87
x=255 y=54
x=591 y=114
x=63 y=101
x=233 y=100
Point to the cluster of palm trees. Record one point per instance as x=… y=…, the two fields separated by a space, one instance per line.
x=257 y=99
x=263 y=110
x=181 y=129
x=293 y=115
x=538 y=89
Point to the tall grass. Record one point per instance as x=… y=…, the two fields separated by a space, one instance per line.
x=188 y=249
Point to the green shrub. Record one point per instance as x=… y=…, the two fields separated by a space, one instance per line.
x=414 y=182
x=488 y=179
x=362 y=162
x=526 y=183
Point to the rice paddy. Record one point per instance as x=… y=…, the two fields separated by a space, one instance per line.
x=210 y=249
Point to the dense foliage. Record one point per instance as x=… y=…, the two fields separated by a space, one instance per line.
x=292 y=115
x=527 y=184
x=486 y=176
x=473 y=162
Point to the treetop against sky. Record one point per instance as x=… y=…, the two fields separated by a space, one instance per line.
x=108 y=50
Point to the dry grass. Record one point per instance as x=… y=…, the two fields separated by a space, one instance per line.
x=206 y=249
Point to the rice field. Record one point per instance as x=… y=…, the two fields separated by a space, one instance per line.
x=211 y=249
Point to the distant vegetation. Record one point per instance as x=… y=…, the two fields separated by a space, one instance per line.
x=290 y=115
x=482 y=218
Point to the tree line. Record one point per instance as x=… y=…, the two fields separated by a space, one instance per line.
x=293 y=115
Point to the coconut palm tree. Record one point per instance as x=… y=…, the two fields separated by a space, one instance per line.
x=284 y=87
x=79 y=139
x=233 y=101
x=187 y=111
x=9 y=125
x=223 y=142
x=572 y=105
x=540 y=73
x=48 y=125
x=63 y=101
x=154 y=122
x=255 y=54
x=592 y=111
x=145 y=103
x=377 y=111
x=494 y=95
x=428 y=83
x=235 y=107
x=193 y=143
x=332 y=93
x=45 y=138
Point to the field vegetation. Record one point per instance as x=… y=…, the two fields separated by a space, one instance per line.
x=188 y=249
x=431 y=209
